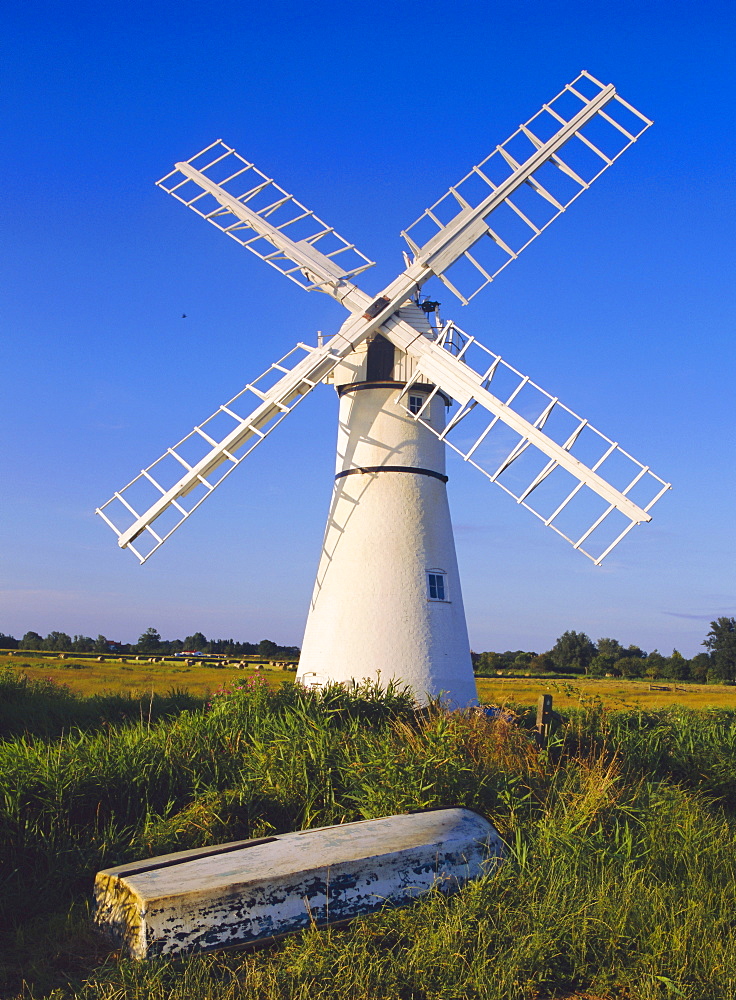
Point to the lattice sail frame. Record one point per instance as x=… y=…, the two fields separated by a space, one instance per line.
x=254 y=196
x=544 y=432
x=592 y=129
x=295 y=241
x=206 y=455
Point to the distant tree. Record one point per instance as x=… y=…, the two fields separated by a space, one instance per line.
x=267 y=648
x=149 y=642
x=721 y=641
x=700 y=666
x=7 y=641
x=101 y=644
x=58 y=642
x=83 y=644
x=31 y=640
x=522 y=660
x=514 y=659
x=636 y=651
x=604 y=661
x=487 y=663
x=196 y=642
x=599 y=666
x=655 y=665
x=611 y=649
x=484 y=664
x=541 y=663
x=573 y=651
x=630 y=666
x=677 y=668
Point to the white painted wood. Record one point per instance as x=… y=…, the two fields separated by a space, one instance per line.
x=436 y=364
x=230 y=192
x=466 y=227
x=246 y=892
x=311 y=259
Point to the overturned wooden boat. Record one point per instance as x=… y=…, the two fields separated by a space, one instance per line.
x=251 y=891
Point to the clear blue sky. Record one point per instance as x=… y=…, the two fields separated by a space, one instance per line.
x=367 y=112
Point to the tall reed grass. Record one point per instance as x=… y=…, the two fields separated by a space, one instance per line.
x=621 y=879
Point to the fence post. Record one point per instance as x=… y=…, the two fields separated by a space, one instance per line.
x=545 y=719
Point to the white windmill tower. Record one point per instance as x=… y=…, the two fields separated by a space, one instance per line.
x=387 y=600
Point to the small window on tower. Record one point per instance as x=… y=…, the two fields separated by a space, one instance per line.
x=437 y=586
x=415 y=403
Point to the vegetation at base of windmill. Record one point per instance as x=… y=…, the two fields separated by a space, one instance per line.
x=621 y=834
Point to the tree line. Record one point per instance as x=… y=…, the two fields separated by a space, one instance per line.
x=575 y=652
x=149 y=643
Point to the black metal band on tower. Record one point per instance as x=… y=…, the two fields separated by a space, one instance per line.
x=391 y=384
x=392 y=468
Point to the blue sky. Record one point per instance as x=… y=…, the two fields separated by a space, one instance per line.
x=624 y=308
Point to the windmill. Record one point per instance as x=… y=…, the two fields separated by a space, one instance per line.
x=387 y=601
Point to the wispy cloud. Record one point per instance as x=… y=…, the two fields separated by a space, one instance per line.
x=698 y=618
x=21 y=593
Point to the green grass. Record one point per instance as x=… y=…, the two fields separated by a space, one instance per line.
x=621 y=880
x=45 y=708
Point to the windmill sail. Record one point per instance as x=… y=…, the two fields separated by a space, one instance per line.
x=249 y=207
x=163 y=494
x=158 y=500
x=549 y=459
x=523 y=185
x=575 y=479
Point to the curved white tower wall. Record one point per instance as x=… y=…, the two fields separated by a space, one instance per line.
x=387 y=602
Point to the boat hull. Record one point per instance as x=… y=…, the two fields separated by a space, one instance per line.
x=251 y=891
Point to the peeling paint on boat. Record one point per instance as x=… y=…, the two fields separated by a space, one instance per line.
x=252 y=890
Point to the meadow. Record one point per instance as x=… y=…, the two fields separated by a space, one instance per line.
x=138 y=677
x=87 y=676
x=620 y=880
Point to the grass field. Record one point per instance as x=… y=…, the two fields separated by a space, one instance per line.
x=620 y=881
x=613 y=693
x=88 y=677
